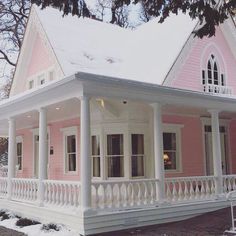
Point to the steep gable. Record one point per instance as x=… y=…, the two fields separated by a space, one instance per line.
x=36 y=58
x=189 y=76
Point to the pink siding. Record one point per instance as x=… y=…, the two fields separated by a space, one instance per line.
x=191 y=140
x=56 y=161
x=191 y=145
x=40 y=59
x=189 y=76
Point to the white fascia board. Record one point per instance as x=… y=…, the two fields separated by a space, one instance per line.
x=48 y=94
x=96 y=85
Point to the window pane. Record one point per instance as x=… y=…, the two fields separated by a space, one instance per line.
x=169 y=141
x=115 y=144
x=72 y=162
x=137 y=165
x=115 y=166
x=95 y=145
x=71 y=144
x=96 y=167
x=19 y=162
x=203 y=77
x=170 y=160
x=137 y=144
x=19 y=149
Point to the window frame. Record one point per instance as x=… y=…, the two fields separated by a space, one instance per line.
x=221 y=75
x=69 y=131
x=100 y=155
x=175 y=128
x=144 y=154
x=19 y=139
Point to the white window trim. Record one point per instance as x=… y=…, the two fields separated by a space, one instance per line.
x=98 y=132
x=19 y=139
x=175 y=128
x=73 y=130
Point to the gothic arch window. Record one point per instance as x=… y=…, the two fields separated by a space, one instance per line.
x=212 y=75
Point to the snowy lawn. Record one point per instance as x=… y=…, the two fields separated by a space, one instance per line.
x=11 y=220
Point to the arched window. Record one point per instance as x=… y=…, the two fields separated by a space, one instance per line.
x=212 y=75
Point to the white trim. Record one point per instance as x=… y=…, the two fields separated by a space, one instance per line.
x=175 y=128
x=222 y=122
x=19 y=139
x=67 y=131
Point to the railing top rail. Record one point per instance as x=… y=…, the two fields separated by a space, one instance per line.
x=190 y=178
x=24 y=179
x=61 y=182
x=123 y=181
x=229 y=176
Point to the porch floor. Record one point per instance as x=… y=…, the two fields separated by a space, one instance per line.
x=212 y=223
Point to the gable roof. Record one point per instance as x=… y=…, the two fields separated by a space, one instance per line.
x=145 y=54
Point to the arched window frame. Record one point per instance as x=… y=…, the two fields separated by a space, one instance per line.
x=212 y=74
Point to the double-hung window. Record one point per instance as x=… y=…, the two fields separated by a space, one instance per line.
x=19 y=152
x=115 y=155
x=71 y=153
x=70 y=148
x=96 y=159
x=172 y=148
x=137 y=157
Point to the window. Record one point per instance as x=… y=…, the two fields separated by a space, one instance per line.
x=31 y=84
x=212 y=76
x=19 y=155
x=70 y=153
x=96 y=168
x=41 y=80
x=172 y=147
x=51 y=75
x=137 y=158
x=115 y=155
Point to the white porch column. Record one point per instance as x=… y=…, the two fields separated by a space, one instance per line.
x=43 y=153
x=85 y=157
x=158 y=151
x=11 y=156
x=216 y=150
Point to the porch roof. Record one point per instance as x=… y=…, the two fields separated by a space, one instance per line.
x=94 y=85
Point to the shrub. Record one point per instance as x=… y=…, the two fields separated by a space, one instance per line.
x=49 y=227
x=5 y=216
x=22 y=222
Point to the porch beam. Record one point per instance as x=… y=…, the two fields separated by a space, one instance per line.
x=43 y=153
x=11 y=156
x=85 y=157
x=158 y=151
x=216 y=150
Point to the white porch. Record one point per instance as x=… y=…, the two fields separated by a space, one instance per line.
x=88 y=203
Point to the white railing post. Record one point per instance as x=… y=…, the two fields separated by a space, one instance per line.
x=158 y=151
x=43 y=153
x=11 y=156
x=216 y=150
x=85 y=157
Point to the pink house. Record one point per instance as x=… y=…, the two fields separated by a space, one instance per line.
x=111 y=128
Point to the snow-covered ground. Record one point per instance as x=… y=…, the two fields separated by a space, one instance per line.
x=36 y=230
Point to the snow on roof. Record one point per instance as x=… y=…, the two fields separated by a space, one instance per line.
x=145 y=54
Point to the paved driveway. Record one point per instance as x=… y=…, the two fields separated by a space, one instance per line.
x=8 y=232
x=214 y=223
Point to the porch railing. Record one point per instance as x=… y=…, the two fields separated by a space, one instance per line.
x=229 y=183
x=3 y=187
x=62 y=193
x=24 y=189
x=190 y=188
x=124 y=193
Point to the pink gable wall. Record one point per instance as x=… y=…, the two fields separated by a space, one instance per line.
x=189 y=76
x=40 y=59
